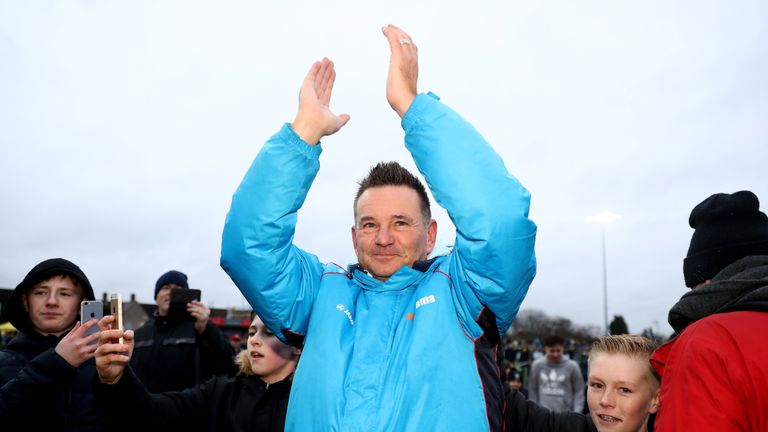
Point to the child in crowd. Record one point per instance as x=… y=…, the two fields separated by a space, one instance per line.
x=623 y=392
x=254 y=400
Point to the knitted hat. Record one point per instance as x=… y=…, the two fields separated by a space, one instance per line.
x=14 y=308
x=171 y=277
x=728 y=227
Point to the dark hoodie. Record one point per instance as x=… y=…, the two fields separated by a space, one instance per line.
x=240 y=403
x=39 y=390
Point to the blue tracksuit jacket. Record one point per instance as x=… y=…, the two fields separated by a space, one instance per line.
x=414 y=353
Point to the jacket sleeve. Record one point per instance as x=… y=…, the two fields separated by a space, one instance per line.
x=46 y=372
x=215 y=352
x=493 y=262
x=127 y=403
x=526 y=416
x=278 y=279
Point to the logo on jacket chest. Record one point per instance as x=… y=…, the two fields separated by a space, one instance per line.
x=341 y=308
x=425 y=301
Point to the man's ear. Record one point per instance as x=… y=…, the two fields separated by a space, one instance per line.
x=354 y=238
x=431 y=235
x=296 y=352
x=25 y=302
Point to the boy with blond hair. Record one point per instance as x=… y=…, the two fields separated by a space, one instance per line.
x=622 y=393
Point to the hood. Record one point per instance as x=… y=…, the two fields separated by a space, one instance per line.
x=743 y=285
x=14 y=308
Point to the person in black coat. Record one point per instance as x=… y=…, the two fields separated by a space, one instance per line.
x=47 y=371
x=165 y=341
x=256 y=399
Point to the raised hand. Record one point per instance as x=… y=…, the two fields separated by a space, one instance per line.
x=315 y=119
x=403 y=69
x=76 y=347
x=112 y=356
x=201 y=313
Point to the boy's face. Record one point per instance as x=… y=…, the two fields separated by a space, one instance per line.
x=622 y=392
x=53 y=305
x=554 y=353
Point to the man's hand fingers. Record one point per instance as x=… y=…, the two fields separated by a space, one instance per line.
x=128 y=336
x=90 y=323
x=74 y=329
x=106 y=359
x=107 y=336
x=317 y=84
x=91 y=338
x=326 y=83
x=403 y=69
x=397 y=38
x=389 y=33
x=198 y=308
x=312 y=74
x=315 y=119
x=111 y=349
x=105 y=322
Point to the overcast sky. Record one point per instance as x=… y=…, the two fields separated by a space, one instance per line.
x=125 y=127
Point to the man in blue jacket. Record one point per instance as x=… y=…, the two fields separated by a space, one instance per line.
x=396 y=342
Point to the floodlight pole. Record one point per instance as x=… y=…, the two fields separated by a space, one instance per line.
x=604 y=218
x=605 y=286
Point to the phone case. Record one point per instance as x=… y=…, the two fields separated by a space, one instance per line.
x=91 y=309
x=116 y=309
x=177 y=309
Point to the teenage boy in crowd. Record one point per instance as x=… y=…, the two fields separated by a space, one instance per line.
x=622 y=393
x=47 y=371
x=555 y=382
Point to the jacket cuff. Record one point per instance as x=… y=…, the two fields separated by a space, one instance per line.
x=49 y=361
x=423 y=102
x=294 y=142
x=127 y=388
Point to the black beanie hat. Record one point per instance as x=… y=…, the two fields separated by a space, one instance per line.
x=171 y=277
x=728 y=227
x=14 y=308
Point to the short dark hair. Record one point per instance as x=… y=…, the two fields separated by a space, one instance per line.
x=393 y=174
x=553 y=340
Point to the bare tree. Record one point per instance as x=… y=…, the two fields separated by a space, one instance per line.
x=532 y=323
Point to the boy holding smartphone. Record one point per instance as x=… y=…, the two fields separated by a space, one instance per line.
x=47 y=371
x=166 y=341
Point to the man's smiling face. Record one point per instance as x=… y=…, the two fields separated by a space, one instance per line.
x=390 y=230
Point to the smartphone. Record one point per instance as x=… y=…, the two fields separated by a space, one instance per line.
x=178 y=304
x=91 y=309
x=116 y=310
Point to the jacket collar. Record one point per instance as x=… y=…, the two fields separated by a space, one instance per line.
x=403 y=278
x=743 y=285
